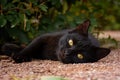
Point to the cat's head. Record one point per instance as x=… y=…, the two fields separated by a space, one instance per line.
x=77 y=47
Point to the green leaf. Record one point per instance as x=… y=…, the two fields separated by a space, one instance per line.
x=28 y=26
x=3 y=2
x=14 y=1
x=2 y=21
x=35 y=2
x=21 y=17
x=52 y=78
x=9 y=18
x=28 y=12
x=14 y=23
x=43 y=7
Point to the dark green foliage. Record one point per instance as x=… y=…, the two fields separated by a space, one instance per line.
x=22 y=20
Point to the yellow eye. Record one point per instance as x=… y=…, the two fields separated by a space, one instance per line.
x=80 y=56
x=70 y=42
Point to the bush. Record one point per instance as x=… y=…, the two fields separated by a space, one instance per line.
x=22 y=20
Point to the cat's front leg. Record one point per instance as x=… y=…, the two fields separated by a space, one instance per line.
x=14 y=51
x=33 y=50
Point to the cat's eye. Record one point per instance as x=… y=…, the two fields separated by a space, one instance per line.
x=70 y=42
x=80 y=56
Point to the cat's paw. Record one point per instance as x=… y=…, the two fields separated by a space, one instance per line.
x=20 y=58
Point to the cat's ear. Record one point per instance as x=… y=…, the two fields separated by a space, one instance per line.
x=82 y=28
x=101 y=52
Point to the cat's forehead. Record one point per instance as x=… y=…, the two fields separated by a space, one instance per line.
x=74 y=36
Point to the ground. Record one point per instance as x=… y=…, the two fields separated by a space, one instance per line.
x=105 y=69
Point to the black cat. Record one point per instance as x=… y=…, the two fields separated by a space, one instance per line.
x=68 y=46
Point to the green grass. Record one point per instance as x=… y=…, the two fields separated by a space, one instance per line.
x=38 y=78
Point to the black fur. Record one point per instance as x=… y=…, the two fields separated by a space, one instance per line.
x=55 y=46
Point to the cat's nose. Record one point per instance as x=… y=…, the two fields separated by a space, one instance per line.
x=69 y=51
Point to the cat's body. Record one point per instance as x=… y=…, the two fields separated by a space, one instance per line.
x=69 y=46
